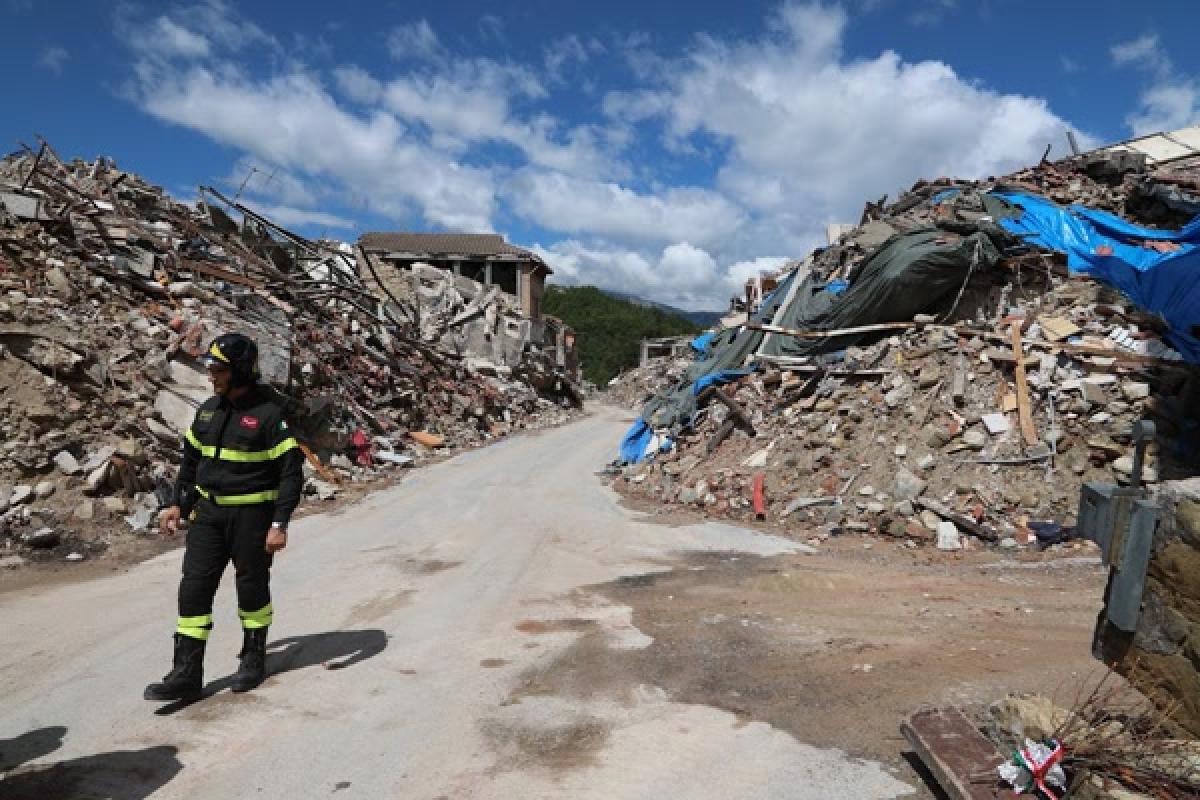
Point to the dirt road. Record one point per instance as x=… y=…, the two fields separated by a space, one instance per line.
x=499 y=626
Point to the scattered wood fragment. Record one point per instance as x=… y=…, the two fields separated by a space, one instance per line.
x=735 y=408
x=721 y=435
x=1024 y=409
x=960 y=758
x=979 y=530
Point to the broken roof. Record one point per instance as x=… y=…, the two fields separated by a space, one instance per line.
x=445 y=244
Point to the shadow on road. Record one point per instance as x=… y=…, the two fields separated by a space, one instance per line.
x=333 y=650
x=30 y=746
x=119 y=775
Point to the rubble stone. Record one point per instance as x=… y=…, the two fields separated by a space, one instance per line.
x=66 y=463
x=44 y=489
x=948 y=536
x=114 y=505
x=1133 y=390
x=43 y=538
x=909 y=486
x=85 y=511
x=974 y=439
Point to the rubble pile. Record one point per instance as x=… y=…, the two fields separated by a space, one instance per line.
x=632 y=388
x=941 y=416
x=109 y=291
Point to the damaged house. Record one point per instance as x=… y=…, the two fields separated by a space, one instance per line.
x=479 y=296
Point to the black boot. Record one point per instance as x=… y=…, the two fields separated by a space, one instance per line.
x=186 y=678
x=253 y=667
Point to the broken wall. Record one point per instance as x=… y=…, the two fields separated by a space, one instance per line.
x=1162 y=658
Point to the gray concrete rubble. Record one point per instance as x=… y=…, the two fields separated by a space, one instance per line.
x=964 y=435
x=110 y=290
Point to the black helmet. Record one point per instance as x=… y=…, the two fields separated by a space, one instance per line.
x=238 y=353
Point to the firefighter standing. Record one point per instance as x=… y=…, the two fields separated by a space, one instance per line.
x=239 y=483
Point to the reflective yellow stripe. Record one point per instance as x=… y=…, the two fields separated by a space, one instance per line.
x=257 y=619
x=239 y=499
x=204 y=449
x=245 y=456
x=195 y=627
x=241 y=456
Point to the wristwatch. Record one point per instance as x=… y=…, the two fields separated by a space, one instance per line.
x=279 y=526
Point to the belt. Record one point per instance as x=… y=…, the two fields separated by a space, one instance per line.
x=238 y=499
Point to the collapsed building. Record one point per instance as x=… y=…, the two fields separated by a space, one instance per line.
x=478 y=296
x=1008 y=363
x=109 y=291
x=955 y=348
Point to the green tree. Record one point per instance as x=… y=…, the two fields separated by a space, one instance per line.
x=609 y=330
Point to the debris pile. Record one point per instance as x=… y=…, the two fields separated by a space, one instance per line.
x=109 y=291
x=632 y=388
x=1110 y=745
x=938 y=375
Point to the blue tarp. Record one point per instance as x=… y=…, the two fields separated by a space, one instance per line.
x=724 y=376
x=701 y=341
x=1166 y=284
x=638 y=440
x=943 y=195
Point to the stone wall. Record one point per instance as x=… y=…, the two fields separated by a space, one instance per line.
x=1162 y=659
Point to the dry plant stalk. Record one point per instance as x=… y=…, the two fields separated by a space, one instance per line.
x=1118 y=737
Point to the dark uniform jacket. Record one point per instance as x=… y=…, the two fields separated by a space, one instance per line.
x=239 y=453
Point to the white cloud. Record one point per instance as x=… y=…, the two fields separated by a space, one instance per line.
x=415 y=40
x=190 y=32
x=295 y=217
x=291 y=122
x=680 y=274
x=271 y=183
x=54 y=59
x=931 y=12
x=743 y=271
x=1171 y=100
x=808 y=135
x=708 y=166
x=358 y=84
x=569 y=51
x=1069 y=64
x=1143 y=52
x=1167 y=106
x=166 y=38
x=580 y=206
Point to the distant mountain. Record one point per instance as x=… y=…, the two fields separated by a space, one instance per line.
x=610 y=327
x=705 y=319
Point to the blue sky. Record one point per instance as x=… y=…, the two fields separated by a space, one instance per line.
x=666 y=149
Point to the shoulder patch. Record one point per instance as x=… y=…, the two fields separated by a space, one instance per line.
x=204 y=415
x=249 y=422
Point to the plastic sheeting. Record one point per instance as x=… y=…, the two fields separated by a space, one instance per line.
x=1110 y=250
x=701 y=342
x=640 y=442
x=726 y=352
x=914 y=272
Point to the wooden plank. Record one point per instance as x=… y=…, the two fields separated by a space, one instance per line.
x=958 y=384
x=720 y=436
x=734 y=407
x=1024 y=410
x=960 y=758
x=814 y=334
x=214 y=271
x=977 y=529
x=1056 y=329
